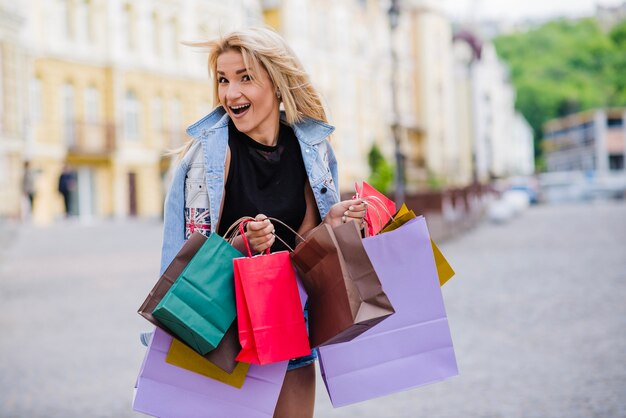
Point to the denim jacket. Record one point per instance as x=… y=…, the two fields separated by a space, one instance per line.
x=211 y=133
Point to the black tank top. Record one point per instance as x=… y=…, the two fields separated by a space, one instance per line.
x=267 y=180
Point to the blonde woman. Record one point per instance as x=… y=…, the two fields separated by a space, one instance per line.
x=250 y=158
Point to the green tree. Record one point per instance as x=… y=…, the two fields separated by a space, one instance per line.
x=381 y=172
x=563 y=67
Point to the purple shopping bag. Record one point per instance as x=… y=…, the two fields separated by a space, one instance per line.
x=411 y=348
x=168 y=391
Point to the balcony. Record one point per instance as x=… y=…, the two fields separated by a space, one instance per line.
x=90 y=140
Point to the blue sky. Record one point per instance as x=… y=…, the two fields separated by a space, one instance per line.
x=516 y=9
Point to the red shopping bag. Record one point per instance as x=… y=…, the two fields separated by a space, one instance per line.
x=269 y=311
x=380 y=209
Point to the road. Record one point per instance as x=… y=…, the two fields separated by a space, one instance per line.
x=536 y=310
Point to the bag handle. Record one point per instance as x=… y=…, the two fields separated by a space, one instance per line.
x=232 y=231
x=279 y=238
x=237 y=228
x=242 y=232
x=380 y=203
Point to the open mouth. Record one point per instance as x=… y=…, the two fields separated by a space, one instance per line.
x=239 y=109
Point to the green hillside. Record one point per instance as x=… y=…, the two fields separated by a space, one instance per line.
x=563 y=67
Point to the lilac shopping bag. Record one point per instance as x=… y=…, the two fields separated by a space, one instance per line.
x=168 y=391
x=411 y=348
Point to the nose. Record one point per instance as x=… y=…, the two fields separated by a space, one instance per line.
x=233 y=91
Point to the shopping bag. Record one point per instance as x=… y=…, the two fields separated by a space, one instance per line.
x=168 y=391
x=200 y=306
x=345 y=294
x=444 y=269
x=181 y=355
x=224 y=355
x=269 y=309
x=380 y=208
x=412 y=347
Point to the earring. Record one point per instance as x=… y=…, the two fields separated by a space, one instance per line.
x=278 y=95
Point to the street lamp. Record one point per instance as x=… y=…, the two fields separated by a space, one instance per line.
x=394 y=17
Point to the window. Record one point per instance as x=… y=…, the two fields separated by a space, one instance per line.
x=149 y=34
x=156 y=34
x=92 y=105
x=65 y=19
x=616 y=162
x=82 y=20
x=176 y=122
x=34 y=100
x=170 y=38
x=128 y=27
x=67 y=106
x=131 y=116
x=157 y=114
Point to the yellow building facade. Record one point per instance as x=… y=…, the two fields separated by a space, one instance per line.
x=12 y=201
x=111 y=90
x=112 y=128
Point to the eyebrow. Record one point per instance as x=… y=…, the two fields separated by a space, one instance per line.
x=243 y=70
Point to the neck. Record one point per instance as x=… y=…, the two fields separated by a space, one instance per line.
x=267 y=138
x=268 y=134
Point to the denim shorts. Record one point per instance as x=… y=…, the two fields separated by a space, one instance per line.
x=298 y=362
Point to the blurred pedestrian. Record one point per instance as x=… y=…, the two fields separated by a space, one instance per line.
x=28 y=186
x=67 y=185
x=248 y=158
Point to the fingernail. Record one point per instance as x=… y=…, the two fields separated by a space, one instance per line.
x=351 y=208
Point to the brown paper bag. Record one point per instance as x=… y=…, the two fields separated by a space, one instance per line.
x=224 y=355
x=345 y=294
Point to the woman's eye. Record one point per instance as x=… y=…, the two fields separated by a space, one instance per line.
x=222 y=80
x=246 y=78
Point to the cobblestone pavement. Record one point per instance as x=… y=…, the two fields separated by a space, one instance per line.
x=536 y=310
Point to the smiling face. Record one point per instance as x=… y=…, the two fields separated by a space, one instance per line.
x=249 y=99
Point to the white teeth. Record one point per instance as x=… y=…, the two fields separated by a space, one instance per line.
x=239 y=107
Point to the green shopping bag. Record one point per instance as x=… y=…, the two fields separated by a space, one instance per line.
x=200 y=306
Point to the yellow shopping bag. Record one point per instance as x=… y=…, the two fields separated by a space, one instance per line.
x=444 y=270
x=185 y=357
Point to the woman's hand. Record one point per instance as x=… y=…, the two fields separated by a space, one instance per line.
x=260 y=233
x=347 y=211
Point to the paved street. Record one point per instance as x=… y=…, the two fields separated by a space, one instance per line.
x=536 y=310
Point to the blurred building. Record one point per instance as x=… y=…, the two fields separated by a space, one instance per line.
x=426 y=96
x=587 y=141
x=609 y=16
x=521 y=156
x=111 y=89
x=12 y=65
x=467 y=51
x=501 y=139
x=344 y=46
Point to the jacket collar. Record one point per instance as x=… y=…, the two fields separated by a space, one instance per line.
x=309 y=131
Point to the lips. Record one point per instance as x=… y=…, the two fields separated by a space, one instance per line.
x=239 y=109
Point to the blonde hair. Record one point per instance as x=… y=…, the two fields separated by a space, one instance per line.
x=264 y=48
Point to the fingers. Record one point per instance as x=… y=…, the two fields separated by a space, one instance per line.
x=356 y=210
x=260 y=233
x=348 y=211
